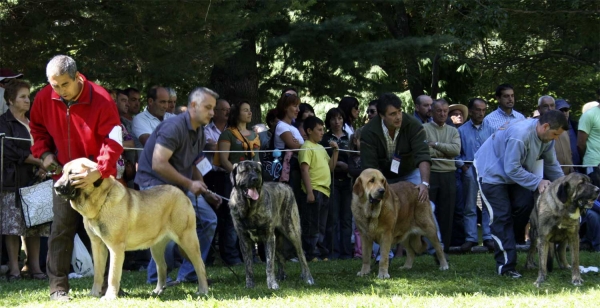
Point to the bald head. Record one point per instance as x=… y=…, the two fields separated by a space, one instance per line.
x=423 y=106
x=546 y=103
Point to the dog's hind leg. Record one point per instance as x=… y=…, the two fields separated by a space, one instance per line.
x=158 y=254
x=296 y=240
x=279 y=257
x=561 y=255
x=431 y=234
x=531 y=254
x=575 y=274
x=100 y=254
x=410 y=250
x=190 y=244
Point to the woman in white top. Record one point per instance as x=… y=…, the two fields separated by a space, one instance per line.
x=286 y=135
x=349 y=106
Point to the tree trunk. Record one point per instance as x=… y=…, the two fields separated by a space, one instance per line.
x=435 y=76
x=236 y=78
x=397 y=22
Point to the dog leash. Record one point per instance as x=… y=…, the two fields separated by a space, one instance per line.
x=214 y=193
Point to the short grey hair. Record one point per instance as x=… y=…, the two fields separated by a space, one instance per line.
x=541 y=99
x=60 y=65
x=172 y=92
x=199 y=94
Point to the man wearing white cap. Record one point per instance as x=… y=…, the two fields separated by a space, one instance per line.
x=5 y=76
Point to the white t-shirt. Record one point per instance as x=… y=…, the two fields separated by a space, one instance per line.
x=283 y=127
x=349 y=130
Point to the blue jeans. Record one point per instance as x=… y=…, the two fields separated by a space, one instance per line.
x=592 y=229
x=206 y=224
x=415 y=178
x=471 y=188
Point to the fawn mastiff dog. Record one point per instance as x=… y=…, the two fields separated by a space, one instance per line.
x=121 y=219
x=389 y=214
x=268 y=212
x=555 y=220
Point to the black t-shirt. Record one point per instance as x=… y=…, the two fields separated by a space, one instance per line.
x=175 y=133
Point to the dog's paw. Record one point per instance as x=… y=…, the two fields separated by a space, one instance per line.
x=530 y=266
x=362 y=273
x=109 y=297
x=249 y=284
x=310 y=281
x=158 y=291
x=273 y=285
x=383 y=275
x=444 y=267
x=538 y=282
x=577 y=281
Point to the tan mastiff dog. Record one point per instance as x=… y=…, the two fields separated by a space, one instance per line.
x=555 y=220
x=123 y=219
x=390 y=214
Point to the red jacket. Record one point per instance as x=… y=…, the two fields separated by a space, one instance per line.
x=80 y=130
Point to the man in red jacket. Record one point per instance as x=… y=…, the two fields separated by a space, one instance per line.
x=72 y=118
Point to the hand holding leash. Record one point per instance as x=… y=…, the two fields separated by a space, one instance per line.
x=197 y=188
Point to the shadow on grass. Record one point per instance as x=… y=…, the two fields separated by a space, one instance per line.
x=471 y=274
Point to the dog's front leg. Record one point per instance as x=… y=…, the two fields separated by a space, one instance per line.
x=270 y=247
x=575 y=274
x=561 y=252
x=117 y=256
x=246 y=248
x=384 y=254
x=99 y=255
x=543 y=247
x=367 y=250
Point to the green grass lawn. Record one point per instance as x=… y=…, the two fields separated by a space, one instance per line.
x=471 y=281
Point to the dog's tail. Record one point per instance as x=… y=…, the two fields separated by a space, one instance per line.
x=417 y=243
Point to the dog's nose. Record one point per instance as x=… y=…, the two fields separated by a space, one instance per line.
x=381 y=190
x=61 y=189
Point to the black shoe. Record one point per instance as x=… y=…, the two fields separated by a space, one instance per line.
x=512 y=274
x=466 y=247
x=60 y=296
x=489 y=244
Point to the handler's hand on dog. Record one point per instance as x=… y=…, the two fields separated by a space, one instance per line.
x=85 y=178
x=543 y=185
x=423 y=193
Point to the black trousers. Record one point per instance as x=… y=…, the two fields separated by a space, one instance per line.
x=509 y=206
x=442 y=193
x=313 y=221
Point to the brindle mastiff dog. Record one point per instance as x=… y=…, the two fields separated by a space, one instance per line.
x=389 y=214
x=121 y=219
x=555 y=219
x=267 y=212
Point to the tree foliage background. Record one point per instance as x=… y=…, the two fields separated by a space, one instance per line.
x=252 y=49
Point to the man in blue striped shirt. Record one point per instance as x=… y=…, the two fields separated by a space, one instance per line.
x=472 y=135
x=505 y=112
x=511 y=164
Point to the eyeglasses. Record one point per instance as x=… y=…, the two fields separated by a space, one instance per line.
x=371 y=111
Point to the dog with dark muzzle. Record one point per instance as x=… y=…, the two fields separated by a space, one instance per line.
x=119 y=219
x=555 y=220
x=266 y=212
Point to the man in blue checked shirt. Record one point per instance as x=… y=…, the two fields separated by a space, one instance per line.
x=505 y=95
x=511 y=164
x=472 y=135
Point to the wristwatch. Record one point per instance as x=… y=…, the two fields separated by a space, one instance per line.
x=426 y=184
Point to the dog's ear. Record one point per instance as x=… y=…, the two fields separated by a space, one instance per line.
x=233 y=173
x=358 y=188
x=562 y=193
